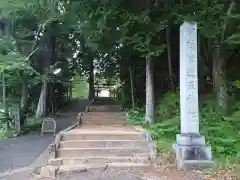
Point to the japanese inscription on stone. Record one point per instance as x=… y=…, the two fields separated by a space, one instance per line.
x=189 y=79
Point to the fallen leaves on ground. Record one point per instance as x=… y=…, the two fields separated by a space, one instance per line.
x=166 y=166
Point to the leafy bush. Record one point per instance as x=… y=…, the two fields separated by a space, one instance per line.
x=31 y=128
x=7 y=129
x=6 y=132
x=166 y=129
x=136 y=116
x=168 y=106
x=33 y=124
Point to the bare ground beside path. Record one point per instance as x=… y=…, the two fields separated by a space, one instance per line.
x=22 y=151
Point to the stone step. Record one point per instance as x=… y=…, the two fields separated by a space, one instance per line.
x=105 y=108
x=196 y=164
x=99 y=118
x=102 y=118
x=103 y=130
x=104 y=102
x=72 y=152
x=105 y=105
x=103 y=122
x=105 y=114
x=139 y=144
x=65 y=169
x=102 y=135
x=99 y=160
x=107 y=128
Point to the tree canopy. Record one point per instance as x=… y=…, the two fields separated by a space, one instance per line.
x=133 y=45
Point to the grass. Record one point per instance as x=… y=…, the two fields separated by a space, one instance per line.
x=80 y=89
x=6 y=133
x=32 y=125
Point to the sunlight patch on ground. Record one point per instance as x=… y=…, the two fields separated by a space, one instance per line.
x=80 y=89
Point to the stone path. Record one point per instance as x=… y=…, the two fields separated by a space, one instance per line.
x=24 y=150
x=105 y=147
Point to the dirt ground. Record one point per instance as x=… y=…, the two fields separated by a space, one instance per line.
x=166 y=166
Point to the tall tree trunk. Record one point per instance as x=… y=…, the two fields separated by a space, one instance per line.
x=91 y=82
x=1 y=88
x=53 y=102
x=41 y=108
x=219 y=61
x=51 y=88
x=45 y=107
x=171 y=76
x=70 y=90
x=4 y=96
x=132 y=87
x=219 y=80
x=150 y=100
x=24 y=101
x=150 y=109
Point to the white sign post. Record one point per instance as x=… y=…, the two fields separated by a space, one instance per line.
x=190 y=148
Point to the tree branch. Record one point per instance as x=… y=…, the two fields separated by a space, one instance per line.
x=38 y=33
x=229 y=12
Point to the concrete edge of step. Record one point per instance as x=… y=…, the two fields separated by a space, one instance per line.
x=99 y=168
x=152 y=144
x=88 y=106
x=15 y=171
x=148 y=137
x=47 y=171
x=50 y=169
x=53 y=147
x=61 y=161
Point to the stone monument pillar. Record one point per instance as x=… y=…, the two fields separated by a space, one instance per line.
x=190 y=148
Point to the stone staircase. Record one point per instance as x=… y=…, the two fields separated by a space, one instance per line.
x=104 y=105
x=104 y=119
x=104 y=140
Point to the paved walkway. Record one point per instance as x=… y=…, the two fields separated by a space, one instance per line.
x=24 y=150
x=108 y=123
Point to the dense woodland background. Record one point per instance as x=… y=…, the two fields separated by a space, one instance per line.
x=129 y=45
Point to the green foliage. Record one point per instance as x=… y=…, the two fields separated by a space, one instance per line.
x=7 y=129
x=237 y=83
x=80 y=89
x=166 y=129
x=29 y=128
x=168 y=106
x=6 y=132
x=220 y=131
x=234 y=38
x=135 y=116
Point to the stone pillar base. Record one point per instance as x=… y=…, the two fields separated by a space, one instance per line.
x=192 y=152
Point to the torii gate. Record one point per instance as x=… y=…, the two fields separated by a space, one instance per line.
x=98 y=88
